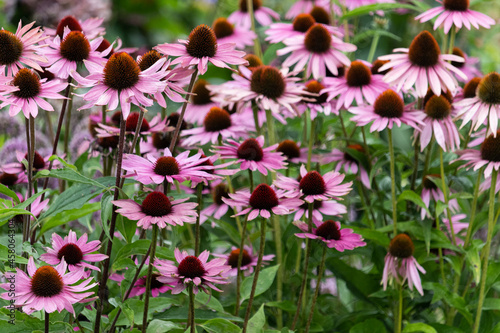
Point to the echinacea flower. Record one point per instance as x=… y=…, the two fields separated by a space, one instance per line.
x=218 y=208
x=318 y=49
x=488 y=156
x=294 y=153
x=263 y=201
x=200 y=48
x=39 y=163
x=248 y=260
x=320 y=208
x=146 y=128
x=201 y=102
x=251 y=154
x=484 y=107
x=319 y=101
x=422 y=65
x=468 y=67
x=21 y=48
x=262 y=14
x=76 y=252
x=48 y=288
x=431 y=190
x=388 y=110
x=190 y=270
x=157 y=287
x=165 y=168
x=90 y=27
x=458 y=226
x=226 y=32
x=400 y=265
x=313 y=186
x=157 y=209
x=121 y=82
x=31 y=93
x=305 y=6
x=330 y=233
x=358 y=84
x=350 y=164
x=457 y=13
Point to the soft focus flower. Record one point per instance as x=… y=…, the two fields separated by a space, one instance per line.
x=48 y=288
x=157 y=287
x=157 y=209
x=348 y=162
x=90 y=27
x=262 y=14
x=456 y=12
x=330 y=233
x=488 y=155
x=201 y=102
x=458 y=226
x=248 y=262
x=320 y=209
x=401 y=265
x=76 y=252
x=430 y=190
x=218 y=208
x=192 y=270
x=39 y=163
x=468 y=67
x=226 y=32
x=305 y=6
x=146 y=128
x=294 y=153
x=319 y=101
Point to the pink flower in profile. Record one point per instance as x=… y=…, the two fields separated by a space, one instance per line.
x=146 y=128
x=388 y=110
x=320 y=209
x=30 y=93
x=458 y=226
x=320 y=102
x=488 y=156
x=75 y=251
x=121 y=82
x=198 y=271
x=157 y=287
x=457 y=13
x=318 y=49
x=400 y=265
x=305 y=6
x=200 y=103
x=21 y=48
x=422 y=65
x=252 y=156
x=200 y=48
x=226 y=32
x=90 y=27
x=468 y=67
x=295 y=153
x=350 y=164
x=248 y=262
x=262 y=14
x=218 y=208
x=48 y=288
x=330 y=233
x=39 y=163
x=263 y=201
x=313 y=186
x=166 y=168
x=157 y=209
x=431 y=190
x=358 y=84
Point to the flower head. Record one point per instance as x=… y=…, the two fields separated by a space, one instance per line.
x=262 y=14
x=157 y=287
x=226 y=32
x=330 y=233
x=248 y=262
x=488 y=155
x=346 y=160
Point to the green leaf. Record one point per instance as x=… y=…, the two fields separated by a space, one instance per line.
x=374 y=235
x=376 y=7
x=209 y=301
x=160 y=326
x=474 y=261
x=419 y=327
x=106 y=210
x=266 y=278
x=8 y=213
x=371 y=325
x=8 y=192
x=413 y=197
x=491 y=304
x=68 y=216
x=126 y=227
x=28 y=323
x=179 y=314
x=257 y=322
x=220 y=326
x=5 y=256
x=287 y=306
x=140 y=246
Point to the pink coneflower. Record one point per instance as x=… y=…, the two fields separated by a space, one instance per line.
x=319 y=49
x=39 y=163
x=401 y=265
x=263 y=201
x=458 y=226
x=218 y=208
x=226 y=32
x=358 y=84
x=468 y=67
x=487 y=156
x=192 y=270
x=388 y=110
x=48 y=288
x=484 y=106
x=438 y=122
x=75 y=251
x=167 y=167
x=305 y=6
x=201 y=102
x=422 y=65
x=218 y=123
x=320 y=102
x=251 y=154
x=320 y=208
x=331 y=233
x=157 y=209
x=157 y=287
x=353 y=4
x=91 y=27
x=30 y=93
x=200 y=48
x=350 y=164
x=294 y=153
x=457 y=13
x=262 y=14
x=146 y=128
x=121 y=82
x=248 y=262
x=21 y=48
x=278 y=32
x=313 y=186
x=66 y=53
x=431 y=190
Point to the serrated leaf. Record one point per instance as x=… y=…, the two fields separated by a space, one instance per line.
x=266 y=279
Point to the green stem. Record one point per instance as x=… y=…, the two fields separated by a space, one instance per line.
x=270 y=128
x=256 y=43
x=192 y=328
x=440 y=251
x=240 y=260
x=491 y=227
x=281 y=268
x=452 y=40
x=415 y=163
x=311 y=141
x=67 y=125
x=255 y=110
x=318 y=287
x=199 y=190
x=399 y=318
x=373 y=47
x=250 y=176
x=393 y=185
x=149 y=278
x=446 y=200
x=343 y=127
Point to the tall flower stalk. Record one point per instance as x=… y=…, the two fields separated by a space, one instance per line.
x=318 y=287
x=393 y=184
x=149 y=279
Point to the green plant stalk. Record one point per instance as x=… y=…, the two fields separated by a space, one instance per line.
x=452 y=40
x=281 y=269
x=491 y=227
x=199 y=189
x=415 y=162
x=311 y=142
x=191 y=321
x=240 y=260
x=343 y=127
x=373 y=47
x=67 y=125
x=440 y=253
x=270 y=128
x=446 y=200
x=393 y=185
x=250 y=177
x=318 y=287
x=255 y=111
x=149 y=278
x=399 y=319
x=256 y=43
x=256 y=274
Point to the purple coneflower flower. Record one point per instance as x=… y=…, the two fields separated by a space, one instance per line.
x=294 y=153
x=226 y=32
x=431 y=190
x=320 y=208
x=305 y=6
x=487 y=156
x=157 y=209
x=39 y=163
x=248 y=262
x=348 y=162
x=91 y=27
x=75 y=251
x=262 y=14
x=330 y=233
x=263 y=201
x=201 y=102
x=319 y=102
x=456 y=12
x=146 y=128
x=48 y=288
x=218 y=208
x=468 y=67
x=278 y=32
x=401 y=265
x=192 y=270
x=157 y=287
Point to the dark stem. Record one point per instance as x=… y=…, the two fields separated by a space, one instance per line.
x=256 y=274
x=134 y=140
x=30 y=173
x=318 y=287
x=149 y=278
x=191 y=309
x=240 y=260
x=114 y=215
x=27 y=218
x=67 y=126
x=47 y=322
x=250 y=176
x=199 y=190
